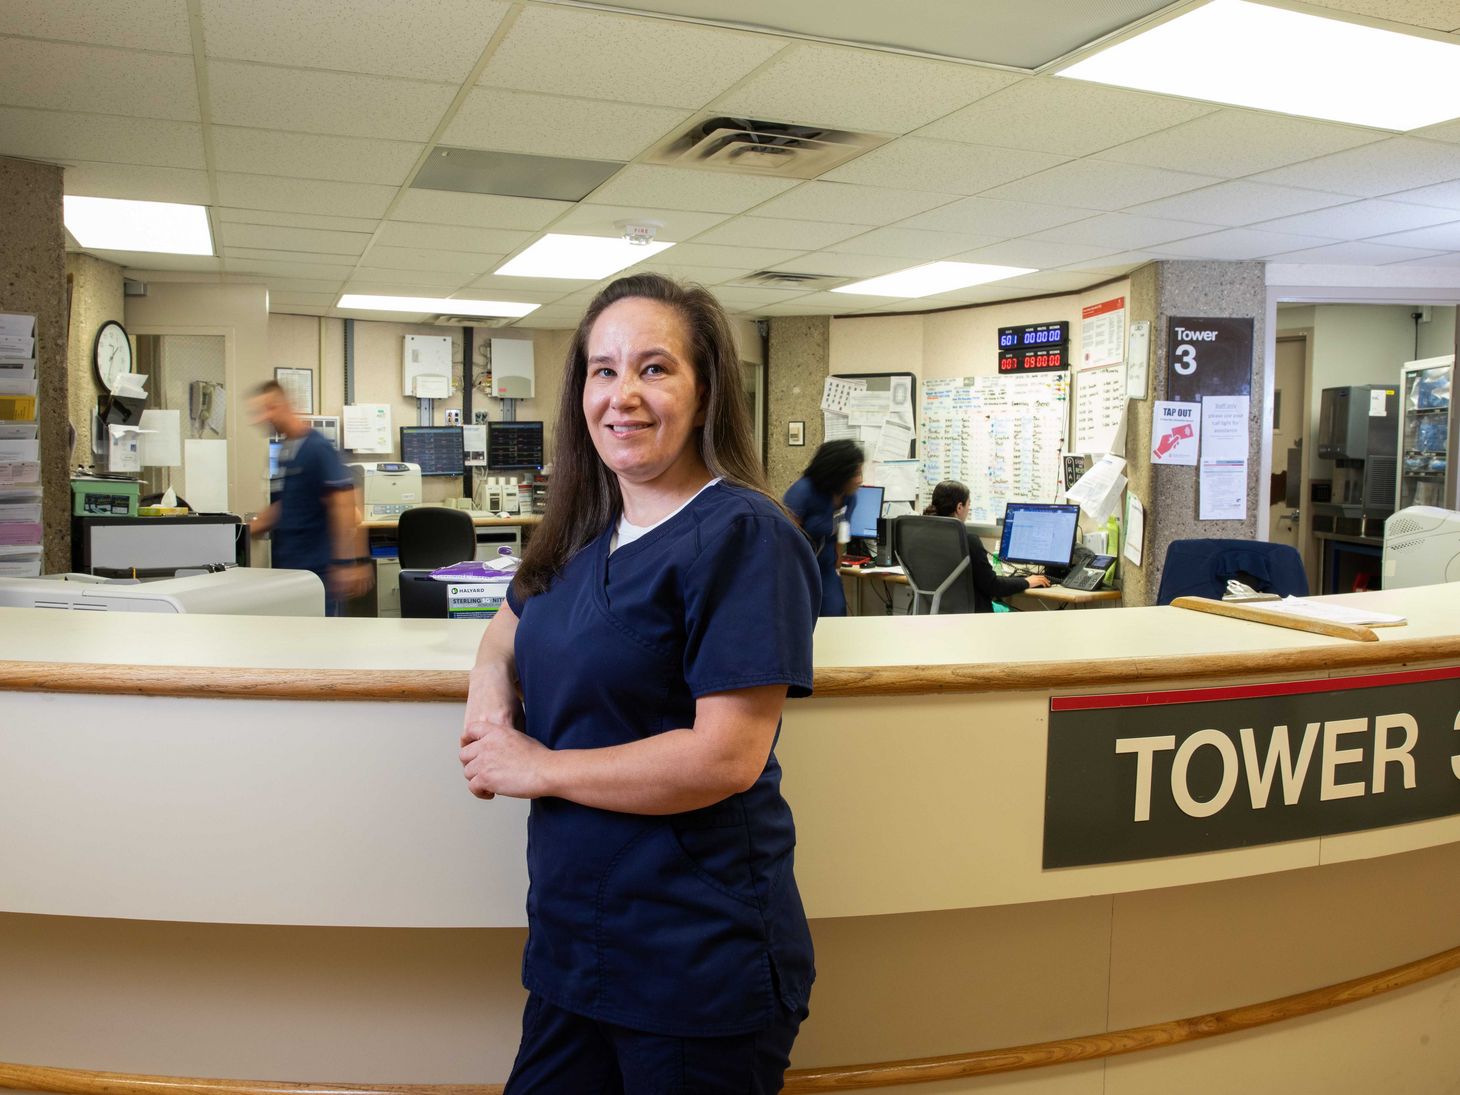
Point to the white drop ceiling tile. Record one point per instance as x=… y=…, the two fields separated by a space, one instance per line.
x=116 y=180
x=1359 y=220
x=992 y=217
x=477 y=210
x=137 y=24
x=686 y=188
x=1036 y=254
x=273 y=237
x=57 y=136
x=1113 y=266
x=311 y=101
x=551 y=125
x=147 y=260
x=90 y=79
x=738 y=296
x=1448 y=259
x=1399 y=163
x=550 y=319
x=1232 y=142
x=278 y=300
x=313 y=156
x=467 y=263
x=851 y=302
x=1070 y=117
x=522 y=296
x=861 y=89
x=1435 y=14
x=450 y=237
x=676 y=225
x=305 y=285
x=344 y=263
x=1120 y=232
x=843 y=265
x=1052 y=281
x=729 y=258
x=843 y=203
x=228 y=215
x=597 y=55
x=1440 y=237
x=1239 y=244
x=912 y=243
x=800 y=307
x=304 y=195
x=749 y=231
x=382 y=283
x=683 y=271
x=1096 y=184
x=1444 y=131
x=435 y=279
x=495 y=283
x=437 y=40
x=1236 y=203
x=916 y=163
x=319 y=271
x=1439 y=196
x=1363 y=253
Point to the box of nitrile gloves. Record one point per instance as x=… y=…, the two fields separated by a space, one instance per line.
x=475 y=600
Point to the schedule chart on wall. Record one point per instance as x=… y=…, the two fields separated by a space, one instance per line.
x=1002 y=436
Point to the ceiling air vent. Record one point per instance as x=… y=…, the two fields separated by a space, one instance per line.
x=474 y=321
x=762 y=148
x=785 y=279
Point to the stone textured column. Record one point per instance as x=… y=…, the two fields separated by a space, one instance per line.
x=800 y=356
x=1197 y=289
x=96 y=297
x=33 y=280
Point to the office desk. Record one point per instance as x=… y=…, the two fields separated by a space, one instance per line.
x=862 y=575
x=282 y=842
x=1059 y=597
x=479 y=518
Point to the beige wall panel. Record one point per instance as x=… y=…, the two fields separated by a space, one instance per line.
x=929 y=984
x=1193 y=949
x=1400 y=1044
x=96 y=296
x=882 y=344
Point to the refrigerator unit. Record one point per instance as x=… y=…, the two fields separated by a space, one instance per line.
x=1427 y=434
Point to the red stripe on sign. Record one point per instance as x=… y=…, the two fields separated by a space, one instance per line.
x=1248 y=691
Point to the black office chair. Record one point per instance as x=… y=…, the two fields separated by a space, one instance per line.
x=435 y=536
x=933 y=551
x=422 y=596
x=1201 y=568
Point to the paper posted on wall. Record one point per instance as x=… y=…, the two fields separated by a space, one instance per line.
x=1099 y=489
x=836 y=394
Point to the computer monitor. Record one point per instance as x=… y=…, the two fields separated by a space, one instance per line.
x=514 y=446
x=862 y=515
x=1038 y=533
x=437 y=449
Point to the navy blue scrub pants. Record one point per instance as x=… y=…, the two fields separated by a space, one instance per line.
x=568 y=1054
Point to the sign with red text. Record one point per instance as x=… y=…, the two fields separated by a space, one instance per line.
x=1153 y=774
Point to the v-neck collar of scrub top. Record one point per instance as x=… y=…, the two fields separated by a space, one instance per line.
x=670 y=524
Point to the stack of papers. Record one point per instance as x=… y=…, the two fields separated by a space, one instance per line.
x=1332 y=613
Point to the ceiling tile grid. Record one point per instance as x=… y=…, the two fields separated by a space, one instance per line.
x=139 y=24
x=1095 y=184
x=61 y=137
x=96 y=80
x=313 y=156
x=844 y=203
x=553 y=125
x=686 y=188
x=916 y=163
x=1385 y=167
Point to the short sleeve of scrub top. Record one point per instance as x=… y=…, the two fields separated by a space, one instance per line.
x=687 y=924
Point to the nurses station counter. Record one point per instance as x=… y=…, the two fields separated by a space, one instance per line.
x=231 y=849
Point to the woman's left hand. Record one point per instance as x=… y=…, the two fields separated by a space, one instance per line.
x=498 y=760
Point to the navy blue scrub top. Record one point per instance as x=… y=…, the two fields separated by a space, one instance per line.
x=309 y=470
x=817 y=514
x=691 y=924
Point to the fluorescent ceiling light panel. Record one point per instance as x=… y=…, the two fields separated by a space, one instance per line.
x=581 y=258
x=933 y=277
x=1245 y=54
x=436 y=305
x=111 y=224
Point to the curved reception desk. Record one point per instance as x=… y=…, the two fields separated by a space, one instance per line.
x=1132 y=851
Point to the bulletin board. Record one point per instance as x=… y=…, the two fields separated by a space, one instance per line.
x=879 y=412
x=1002 y=436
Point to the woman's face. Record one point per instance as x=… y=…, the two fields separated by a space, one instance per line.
x=853 y=483
x=642 y=397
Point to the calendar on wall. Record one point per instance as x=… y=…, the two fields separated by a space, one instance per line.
x=1002 y=436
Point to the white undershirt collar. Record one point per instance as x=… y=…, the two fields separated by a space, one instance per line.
x=626 y=533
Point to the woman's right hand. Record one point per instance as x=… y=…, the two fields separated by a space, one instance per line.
x=1038 y=581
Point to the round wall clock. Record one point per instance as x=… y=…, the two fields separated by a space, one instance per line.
x=112 y=354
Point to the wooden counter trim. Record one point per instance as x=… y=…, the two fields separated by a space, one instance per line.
x=1090 y=1047
x=449 y=685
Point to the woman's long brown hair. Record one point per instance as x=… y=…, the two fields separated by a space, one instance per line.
x=584 y=496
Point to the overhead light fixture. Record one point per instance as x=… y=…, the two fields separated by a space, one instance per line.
x=113 y=224
x=932 y=277
x=437 y=305
x=581 y=258
x=1252 y=55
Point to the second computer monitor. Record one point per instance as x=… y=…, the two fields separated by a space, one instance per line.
x=862 y=515
x=1039 y=534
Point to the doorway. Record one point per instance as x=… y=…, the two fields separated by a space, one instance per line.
x=1289 y=415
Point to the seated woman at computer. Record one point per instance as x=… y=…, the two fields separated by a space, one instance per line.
x=825 y=487
x=950 y=499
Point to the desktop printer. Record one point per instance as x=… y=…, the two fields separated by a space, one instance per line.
x=387 y=489
x=237 y=591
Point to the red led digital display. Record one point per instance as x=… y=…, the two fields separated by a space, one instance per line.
x=1033 y=359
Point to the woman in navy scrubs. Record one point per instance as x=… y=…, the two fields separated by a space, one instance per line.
x=950 y=499
x=828 y=482
x=661 y=616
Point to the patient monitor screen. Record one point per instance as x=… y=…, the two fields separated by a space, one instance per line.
x=1042 y=535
